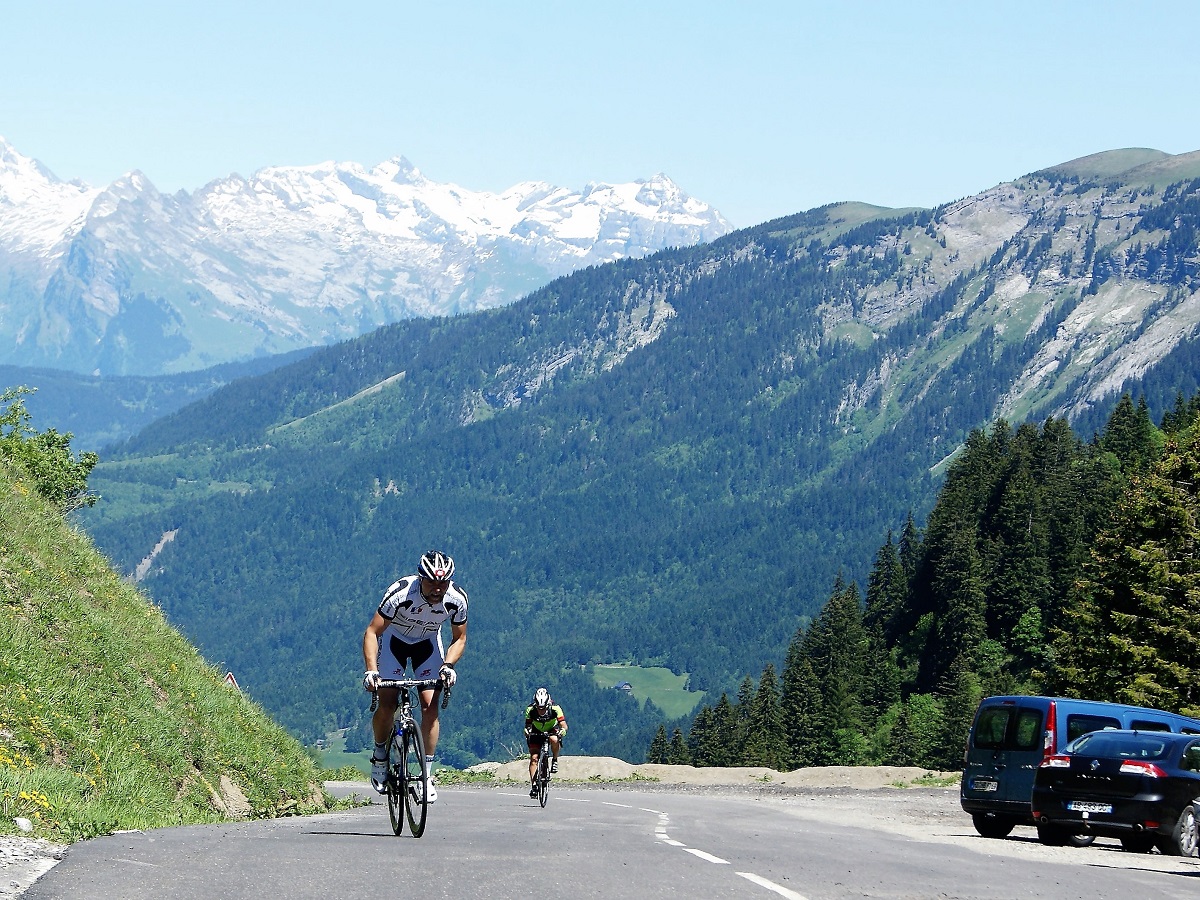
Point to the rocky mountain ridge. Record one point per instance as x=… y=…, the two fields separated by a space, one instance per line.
x=127 y=280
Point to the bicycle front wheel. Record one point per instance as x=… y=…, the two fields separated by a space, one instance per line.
x=416 y=778
x=395 y=785
x=543 y=775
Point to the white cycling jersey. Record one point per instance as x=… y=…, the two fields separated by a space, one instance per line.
x=413 y=635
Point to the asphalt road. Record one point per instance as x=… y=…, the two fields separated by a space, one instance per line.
x=608 y=843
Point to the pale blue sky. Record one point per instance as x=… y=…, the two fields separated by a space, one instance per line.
x=761 y=108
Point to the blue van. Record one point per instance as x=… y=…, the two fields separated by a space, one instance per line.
x=1010 y=737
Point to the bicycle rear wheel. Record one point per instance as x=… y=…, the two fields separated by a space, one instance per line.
x=416 y=777
x=543 y=773
x=395 y=784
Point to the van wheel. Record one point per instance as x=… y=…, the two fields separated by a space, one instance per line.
x=1138 y=843
x=1052 y=835
x=1183 y=838
x=992 y=826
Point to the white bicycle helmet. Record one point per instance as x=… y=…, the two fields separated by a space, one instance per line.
x=436 y=566
x=541 y=699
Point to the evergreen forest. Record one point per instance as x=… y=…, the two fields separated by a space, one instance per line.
x=1047 y=566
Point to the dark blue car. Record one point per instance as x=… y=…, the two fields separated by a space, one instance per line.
x=1141 y=787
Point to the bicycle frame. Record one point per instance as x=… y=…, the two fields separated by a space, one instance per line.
x=408 y=769
x=543 y=767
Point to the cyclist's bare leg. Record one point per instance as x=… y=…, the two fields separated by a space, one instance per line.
x=554 y=746
x=385 y=712
x=430 y=726
x=535 y=747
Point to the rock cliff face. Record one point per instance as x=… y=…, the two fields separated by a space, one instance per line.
x=126 y=280
x=1098 y=263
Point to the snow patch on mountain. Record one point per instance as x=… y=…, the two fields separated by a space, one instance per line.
x=292 y=256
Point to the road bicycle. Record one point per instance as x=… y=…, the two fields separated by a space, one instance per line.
x=408 y=769
x=542 y=778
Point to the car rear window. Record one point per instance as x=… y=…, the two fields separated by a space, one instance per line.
x=1120 y=746
x=1080 y=723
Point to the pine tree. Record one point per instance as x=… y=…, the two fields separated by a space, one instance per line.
x=1130 y=435
x=835 y=646
x=658 y=746
x=700 y=737
x=716 y=742
x=960 y=698
x=766 y=744
x=677 y=754
x=916 y=732
x=957 y=589
x=887 y=592
x=1133 y=630
x=745 y=701
x=800 y=706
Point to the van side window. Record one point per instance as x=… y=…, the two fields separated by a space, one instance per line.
x=991 y=727
x=1146 y=725
x=1191 y=758
x=1028 y=733
x=1081 y=724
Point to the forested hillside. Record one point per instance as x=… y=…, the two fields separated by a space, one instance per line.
x=1048 y=565
x=663 y=462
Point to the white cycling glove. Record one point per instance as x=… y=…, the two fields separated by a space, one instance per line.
x=448 y=675
x=371 y=681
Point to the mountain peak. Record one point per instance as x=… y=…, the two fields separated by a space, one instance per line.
x=399 y=170
x=295 y=256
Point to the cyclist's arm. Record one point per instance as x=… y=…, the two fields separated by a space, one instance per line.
x=371 y=641
x=458 y=642
x=562 y=722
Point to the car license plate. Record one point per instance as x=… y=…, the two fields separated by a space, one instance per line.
x=984 y=784
x=1089 y=806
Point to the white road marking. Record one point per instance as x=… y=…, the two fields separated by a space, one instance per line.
x=660 y=832
x=707 y=856
x=772 y=886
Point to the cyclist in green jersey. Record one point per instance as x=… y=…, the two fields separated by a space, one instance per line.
x=543 y=721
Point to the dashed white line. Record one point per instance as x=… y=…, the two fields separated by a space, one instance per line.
x=660 y=832
x=772 y=886
x=707 y=856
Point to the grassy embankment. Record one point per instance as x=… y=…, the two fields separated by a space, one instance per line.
x=109 y=718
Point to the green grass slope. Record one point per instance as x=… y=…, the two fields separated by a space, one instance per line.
x=109 y=718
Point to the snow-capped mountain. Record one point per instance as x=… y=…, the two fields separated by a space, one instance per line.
x=127 y=280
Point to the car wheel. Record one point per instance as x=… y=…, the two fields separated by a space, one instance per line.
x=1183 y=837
x=1138 y=843
x=1080 y=840
x=991 y=826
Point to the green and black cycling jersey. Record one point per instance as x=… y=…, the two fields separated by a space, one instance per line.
x=545 y=721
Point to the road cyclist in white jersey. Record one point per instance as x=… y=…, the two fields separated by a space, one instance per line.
x=406 y=631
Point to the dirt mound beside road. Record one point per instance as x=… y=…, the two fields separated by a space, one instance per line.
x=606 y=768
